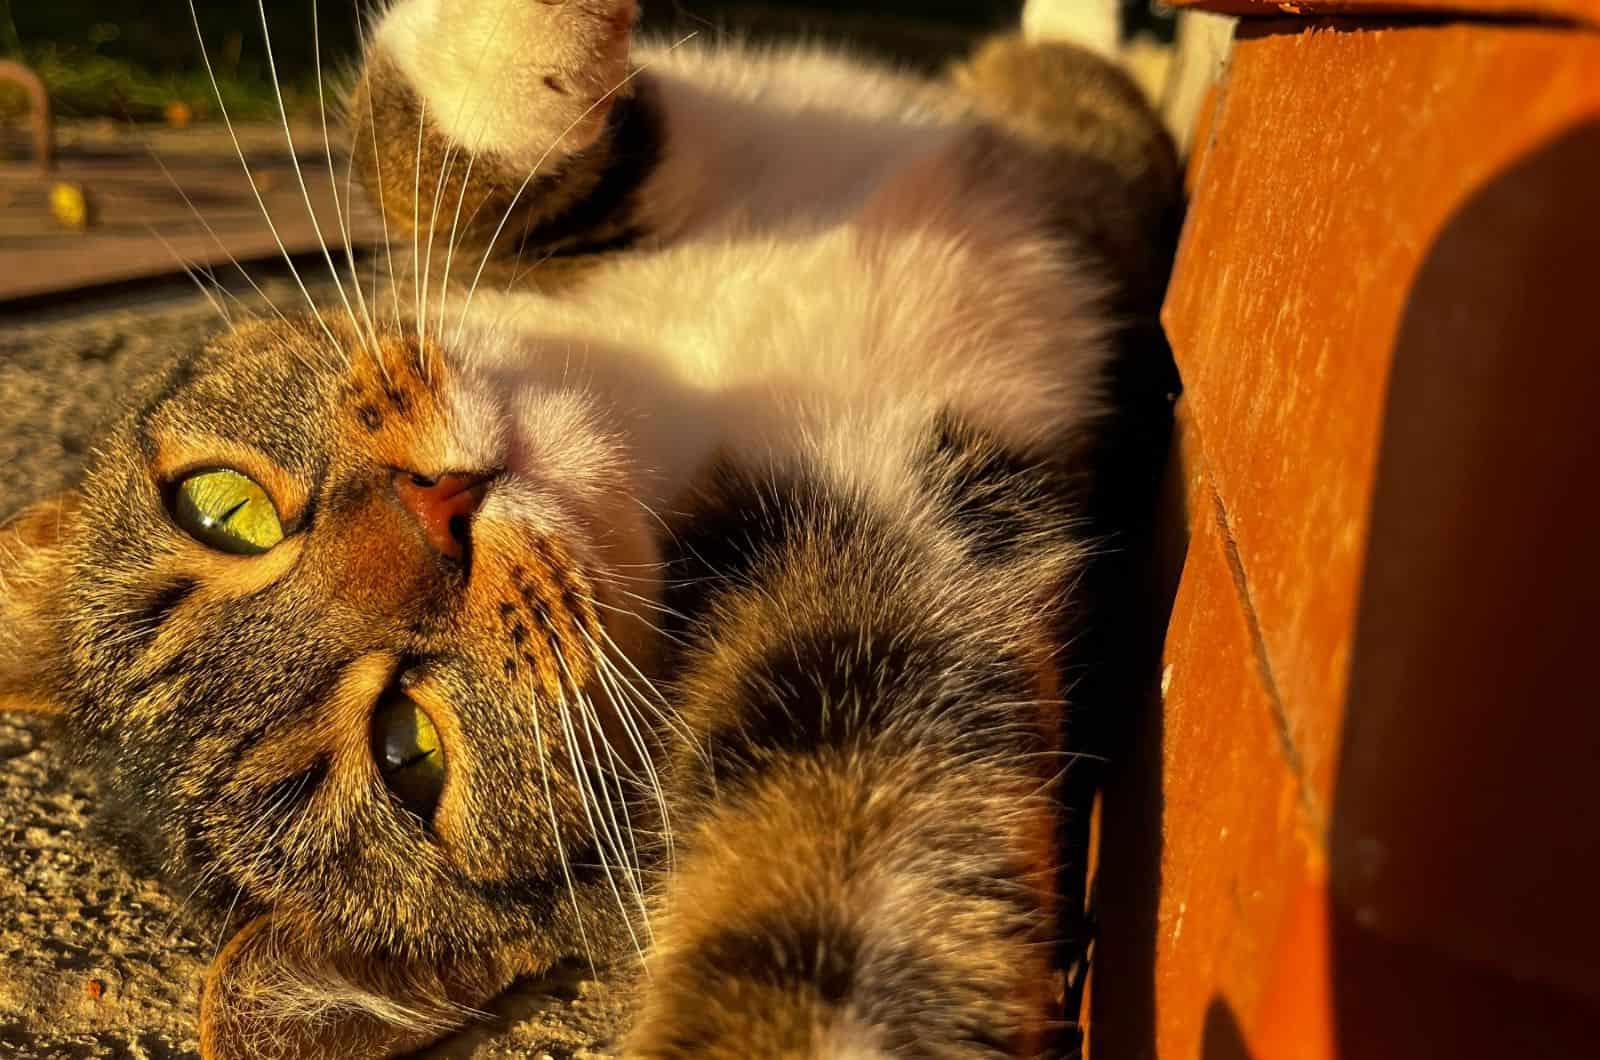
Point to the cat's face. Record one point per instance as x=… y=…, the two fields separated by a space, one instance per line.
x=347 y=636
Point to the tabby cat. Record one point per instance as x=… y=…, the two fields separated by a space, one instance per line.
x=680 y=565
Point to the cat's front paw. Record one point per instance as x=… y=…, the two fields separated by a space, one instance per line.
x=524 y=79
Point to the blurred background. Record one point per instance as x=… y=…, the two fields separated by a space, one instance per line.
x=140 y=61
x=116 y=166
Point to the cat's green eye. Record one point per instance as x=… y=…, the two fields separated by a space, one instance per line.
x=410 y=756
x=227 y=511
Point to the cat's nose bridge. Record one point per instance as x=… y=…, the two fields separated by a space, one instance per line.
x=442 y=506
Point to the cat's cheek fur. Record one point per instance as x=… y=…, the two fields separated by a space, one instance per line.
x=274 y=994
x=518 y=78
x=31 y=562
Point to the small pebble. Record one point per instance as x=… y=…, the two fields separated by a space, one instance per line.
x=71 y=206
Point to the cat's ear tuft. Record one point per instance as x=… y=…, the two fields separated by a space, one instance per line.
x=31 y=562
x=273 y=994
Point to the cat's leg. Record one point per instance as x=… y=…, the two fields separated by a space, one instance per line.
x=530 y=122
x=1056 y=92
x=513 y=121
x=864 y=829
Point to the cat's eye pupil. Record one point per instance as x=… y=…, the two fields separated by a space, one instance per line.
x=409 y=755
x=227 y=511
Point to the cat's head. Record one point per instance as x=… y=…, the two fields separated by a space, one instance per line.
x=343 y=625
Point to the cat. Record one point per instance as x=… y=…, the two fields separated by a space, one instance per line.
x=684 y=565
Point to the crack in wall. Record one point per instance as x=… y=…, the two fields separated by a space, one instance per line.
x=1263 y=661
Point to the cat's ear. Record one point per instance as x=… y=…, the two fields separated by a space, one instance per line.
x=272 y=994
x=31 y=561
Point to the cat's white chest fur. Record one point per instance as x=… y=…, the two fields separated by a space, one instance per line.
x=829 y=269
x=845 y=339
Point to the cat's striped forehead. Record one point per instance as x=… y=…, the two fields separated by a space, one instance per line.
x=294 y=399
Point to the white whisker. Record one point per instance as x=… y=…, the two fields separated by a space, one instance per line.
x=191 y=272
x=333 y=185
x=445 y=168
x=636 y=739
x=383 y=209
x=416 y=220
x=555 y=825
x=455 y=228
x=661 y=705
x=200 y=881
x=605 y=802
x=602 y=837
x=211 y=232
x=244 y=164
x=294 y=160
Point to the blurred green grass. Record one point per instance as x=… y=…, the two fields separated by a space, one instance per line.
x=131 y=60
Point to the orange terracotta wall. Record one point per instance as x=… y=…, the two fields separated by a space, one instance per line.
x=1380 y=833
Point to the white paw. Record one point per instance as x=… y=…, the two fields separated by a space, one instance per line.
x=1092 y=24
x=524 y=79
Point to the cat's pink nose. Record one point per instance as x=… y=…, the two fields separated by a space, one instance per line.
x=443 y=507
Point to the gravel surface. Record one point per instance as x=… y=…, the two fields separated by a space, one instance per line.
x=97 y=959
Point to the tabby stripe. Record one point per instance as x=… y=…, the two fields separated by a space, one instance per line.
x=149 y=618
x=178 y=376
x=838 y=688
x=815 y=956
x=740 y=524
x=998 y=499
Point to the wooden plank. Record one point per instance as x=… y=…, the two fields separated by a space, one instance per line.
x=1237 y=839
x=1340 y=989
x=1337 y=156
x=1472 y=704
x=1575 y=10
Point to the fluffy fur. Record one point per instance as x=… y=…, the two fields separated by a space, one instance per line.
x=781 y=368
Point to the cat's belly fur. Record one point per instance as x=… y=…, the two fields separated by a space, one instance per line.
x=839 y=342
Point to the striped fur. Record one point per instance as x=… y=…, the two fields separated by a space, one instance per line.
x=867 y=853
